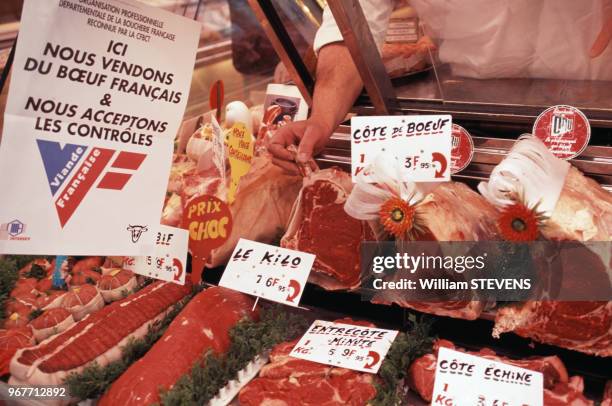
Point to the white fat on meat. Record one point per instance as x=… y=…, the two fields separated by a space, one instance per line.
x=30 y=375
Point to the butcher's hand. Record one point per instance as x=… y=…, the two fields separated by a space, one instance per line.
x=338 y=85
x=310 y=137
x=605 y=35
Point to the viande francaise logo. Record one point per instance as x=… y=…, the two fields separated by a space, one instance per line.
x=73 y=169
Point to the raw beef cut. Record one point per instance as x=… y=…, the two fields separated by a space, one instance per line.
x=45 y=284
x=98 y=337
x=582 y=212
x=10 y=341
x=289 y=381
x=51 y=322
x=84 y=277
x=82 y=300
x=581 y=326
x=27 y=285
x=185 y=183
x=567 y=394
x=320 y=225
x=18 y=318
x=50 y=299
x=116 y=284
x=87 y=264
x=202 y=326
x=451 y=212
x=261 y=209
x=558 y=386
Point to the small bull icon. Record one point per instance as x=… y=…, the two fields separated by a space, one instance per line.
x=136 y=232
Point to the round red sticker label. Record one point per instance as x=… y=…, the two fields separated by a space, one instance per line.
x=462 y=150
x=209 y=221
x=564 y=130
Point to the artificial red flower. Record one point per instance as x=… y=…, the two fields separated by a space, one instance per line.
x=519 y=223
x=397 y=216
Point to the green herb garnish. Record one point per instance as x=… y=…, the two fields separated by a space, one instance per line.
x=249 y=339
x=405 y=349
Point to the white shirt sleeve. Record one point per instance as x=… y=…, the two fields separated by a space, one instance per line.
x=377 y=14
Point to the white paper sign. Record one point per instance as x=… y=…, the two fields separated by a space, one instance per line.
x=465 y=379
x=270 y=272
x=97 y=94
x=345 y=345
x=170 y=260
x=422 y=144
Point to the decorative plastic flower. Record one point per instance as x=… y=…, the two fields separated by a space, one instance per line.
x=397 y=216
x=519 y=223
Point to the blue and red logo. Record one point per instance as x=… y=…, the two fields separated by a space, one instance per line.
x=72 y=171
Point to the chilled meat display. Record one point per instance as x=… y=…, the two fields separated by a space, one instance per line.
x=581 y=326
x=116 y=284
x=82 y=300
x=98 y=337
x=202 y=326
x=320 y=225
x=558 y=386
x=12 y=340
x=582 y=212
x=291 y=381
x=51 y=322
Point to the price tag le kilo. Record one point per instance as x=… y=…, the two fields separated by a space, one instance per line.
x=277 y=283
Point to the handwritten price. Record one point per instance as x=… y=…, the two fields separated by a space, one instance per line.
x=293 y=287
x=438 y=161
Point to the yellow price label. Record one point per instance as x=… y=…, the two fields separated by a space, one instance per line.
x=240 y=153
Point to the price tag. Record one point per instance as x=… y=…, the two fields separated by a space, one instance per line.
x=345 y=345
x=240 y=151
x=465 y=379
x=422 y=143
x=462 y=150
x=170 y=258
x=565 y=131
x=270 y=272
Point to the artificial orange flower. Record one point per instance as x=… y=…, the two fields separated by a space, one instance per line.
x=397 y=216
x=518 y=223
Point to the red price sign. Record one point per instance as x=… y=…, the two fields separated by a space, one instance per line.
x=209 y=222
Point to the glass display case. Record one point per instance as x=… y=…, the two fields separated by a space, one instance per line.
x=232 y=48
x=495 y=71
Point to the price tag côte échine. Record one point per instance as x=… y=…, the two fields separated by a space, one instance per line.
x=269 y=272
x=169 y=262
x=465 y=379
x=345 y=345
x=422 y=144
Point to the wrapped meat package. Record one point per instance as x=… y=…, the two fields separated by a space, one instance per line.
x=448 y=211
x=576 y=208
x=261 y=209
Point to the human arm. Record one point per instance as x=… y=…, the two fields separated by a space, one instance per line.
x=337 y=86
